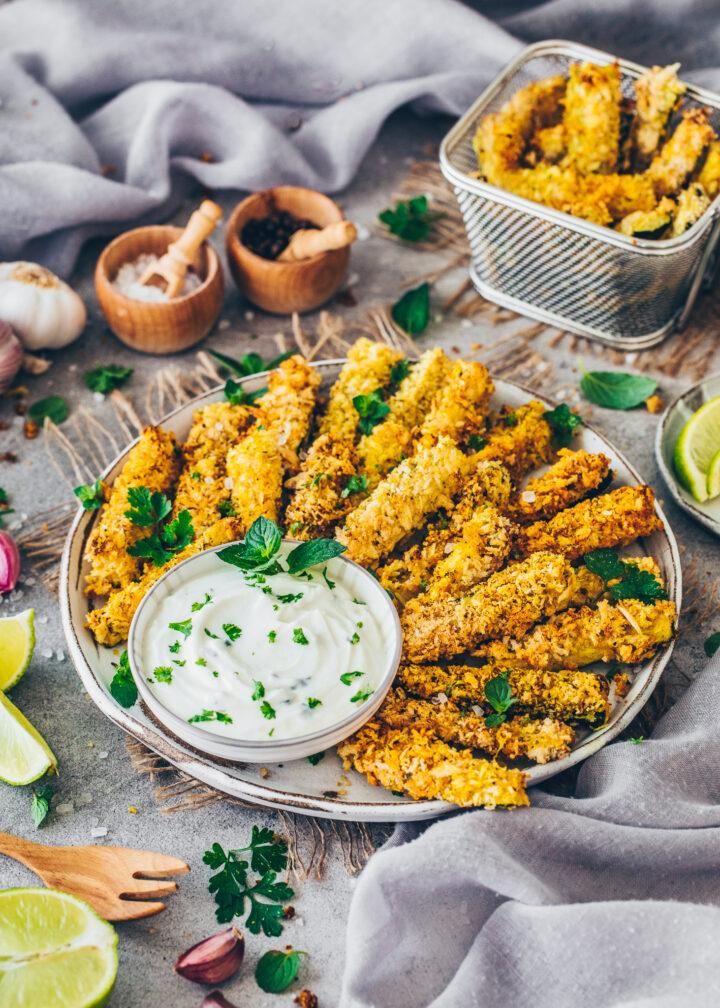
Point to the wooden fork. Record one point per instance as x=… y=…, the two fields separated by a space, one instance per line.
x=120 y=883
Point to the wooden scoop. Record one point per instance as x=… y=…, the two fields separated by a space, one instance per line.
x=311 y=242
x=181 y=254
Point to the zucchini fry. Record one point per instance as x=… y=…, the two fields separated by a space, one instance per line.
x=287 y=407
x=481 y=549
x=255 y=469
x=415 y=488
x=592 y=117
x=154 y=462
x=709 y=177
x=424 y=767
x=629 y=631
x=460 y=408
x=506 y=605
x=649 y=223
x=567 y=481
x=612 y=519
x=550 y=142
x=566 y=694
x=521 y=439
x=317 y=503
x=691 y=205
x=680 y=155
x=657 y=91
x=367 y=369
x=389 y=441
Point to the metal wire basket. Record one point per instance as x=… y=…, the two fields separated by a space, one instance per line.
x=587 y=279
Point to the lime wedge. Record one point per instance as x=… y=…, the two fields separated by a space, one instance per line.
x=713 y=479
x=54 y=951
x=17 y=643
x=696 y=447
x=24 y=753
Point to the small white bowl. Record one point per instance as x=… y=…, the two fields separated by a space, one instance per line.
x=672 y=422
x=271 y=750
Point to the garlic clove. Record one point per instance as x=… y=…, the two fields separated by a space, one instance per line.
x=216 y=1000
x=214 y=959
x=9 y=563
x=35 y=365
x=11 y=355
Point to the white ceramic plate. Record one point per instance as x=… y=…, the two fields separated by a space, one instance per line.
x=673 y=421
x=298 y=786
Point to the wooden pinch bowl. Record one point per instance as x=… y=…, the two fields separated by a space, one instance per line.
x=158 y=327
x=286 y=287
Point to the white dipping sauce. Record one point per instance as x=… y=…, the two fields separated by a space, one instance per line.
x=255 y=658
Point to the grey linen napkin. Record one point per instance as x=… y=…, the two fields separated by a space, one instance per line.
x=608 y=898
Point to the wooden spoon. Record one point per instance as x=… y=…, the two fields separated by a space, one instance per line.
x=181 y=254
x=118 y=882
x=309 y=242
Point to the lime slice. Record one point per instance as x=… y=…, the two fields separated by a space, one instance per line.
x=24 y=753
x=696 y=447
x=54 y=951
x=17 y=643
x=713 y=479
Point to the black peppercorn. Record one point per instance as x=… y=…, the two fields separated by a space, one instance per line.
x=269 y=236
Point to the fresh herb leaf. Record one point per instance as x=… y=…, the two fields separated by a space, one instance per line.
x=370 y=409
x=299 y=637
x=90 y=495
x=202 y=662
x=176 y=661
x=232 y=888
x=3 y=497
x=712 y=643
x=122 y=685
x=267 y=851
x=347 y=677
x=276 y=970
x=232 y=631
x=355 y=639
x=637 y=584
x=605 y=563
x=328 y=582
x=211 y=715
x=358 y=601
x=272 y=636
x=295 y=527
x=197 y=606
x=409 y=219
x=355 y=484
x=53 y=407
x=249 y=363
x=178 y=533
x=637 y=740
x=315 y=758
x=313 y=552
x=259 y=691
x=195 y=475
x=499 y=695
x=184 y=627
x=40 y=804
x=494 y=720
x=399 y=371
x=563 y=422
x=313 y=702
x=287 y=599
x=267 y=710
x=210 y=634
x=147 y=508
x=361 y=695
x=175 y=647
x=107 y=378
x=261 y=543
x=226 y=509
x=615 y=389
x=412 y=311
x=163 y=674
x=476 y=443
x=237 y=396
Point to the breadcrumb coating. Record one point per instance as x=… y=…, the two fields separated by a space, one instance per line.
x=398 y=505
x=481 y=549
x=612 y=519
x=214 y=429
x=629 y=632
x=110 y=624
x=566 y=694
x=691 y=205
x=154 y=462
x=680 y=155
x=550 y=142
x=574 y=475
x=592 y=116
x=316 y=503
x=390 y=440
x=507 y=604
x=649 y=223
x=367 y=368
x=657 y=92
x=424 y=767
x=255 y=468
x=287 y=407
x=521 y=439
x=459 y=409
x=517 y=738
x=709 y=177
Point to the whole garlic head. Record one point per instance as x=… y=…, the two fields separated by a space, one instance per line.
x=42 y=309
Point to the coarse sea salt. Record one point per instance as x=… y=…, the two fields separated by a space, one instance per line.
x=127 y=281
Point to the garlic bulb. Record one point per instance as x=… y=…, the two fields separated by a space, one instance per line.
x=11 y=355
x=43 y=310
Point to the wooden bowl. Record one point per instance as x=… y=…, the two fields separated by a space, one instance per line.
x=286 y=287
x=158 y=327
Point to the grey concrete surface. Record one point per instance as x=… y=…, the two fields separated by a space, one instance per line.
x=96 y=775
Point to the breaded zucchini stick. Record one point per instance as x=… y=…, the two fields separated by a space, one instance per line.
x=367 y=368
x=214 y=429
x=389 y=441
x=481 y=549
x=154 y=462
x=550 y=142
x=459 y=409
x=574 y=475
x=424 y=767
x=506 y=605
x=255 y=468
x=691 y=205
x=521 y=439
x=398 y=505
x=110 y=624
x=519 y=737
x=648 y=223
x=566 y=694
x=657 y=92
x=628 y=631
x=287 y=407
x=488 y=483
x=317 y=503
x=592 y=117
x=612 y=519
x=709 y=177
x=680 y=155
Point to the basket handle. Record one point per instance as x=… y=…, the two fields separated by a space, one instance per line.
x=699 y=275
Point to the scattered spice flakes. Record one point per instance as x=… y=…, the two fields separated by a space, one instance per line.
x=306 y=999
x=264 y=772
x=21 y=407
x=132 y=809
x=654 y=404
x=289 y=912
x=30 y=430
x=8 y=456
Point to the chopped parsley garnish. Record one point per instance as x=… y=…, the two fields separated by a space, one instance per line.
x=175 y=647
x=371 y=409
x=476 y=442
x=272 y=636
x=317 y=479
x=313 y=702
x=195 y=475
x=287 y=599
x=90 y=495
x=347 y=677
x=355 y=639
x=267 y=710
x=210 y=634
x=563 y=422
x=259 y=690
x=399 y=371
x=298 y=636
x=328 y=582
x=176 y=661
x=499 y=695
x=107 y=378
x=184 y=628
x=226 y=509
x=409 y=220
x=163 y=674
x=122 y=685
x=361 y=695
x=629 y=580
x=355 y=484
x=197 y=606
x=358 y=601
x=232 y=631
x=295 y=527
x=211 y=715
x=637 y=740
x=315 y=758
x=202 y=662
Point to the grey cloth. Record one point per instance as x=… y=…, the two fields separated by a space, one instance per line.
x=608 y=898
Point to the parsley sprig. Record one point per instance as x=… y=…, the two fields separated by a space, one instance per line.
x=90 y=495
x=371 y=409
x=563 y=423
x=409 y=219
x=107 y=378
x=5 y=508
x=627 y=580
x=233 y=888
x=149 y=509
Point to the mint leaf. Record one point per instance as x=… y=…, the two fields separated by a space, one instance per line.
x=122 y=685
x=616 y=389
x=370 y=409
x=275 y=970
x=312 y=553
x=499 y=695
x=107 y=378
x=237 y=396
x=40 y=804
x=408 y=220
x=412 y=311
x=712 y=643
x=54 y=407
x=563 y=422
x=261 y=543
x=90 y=495
x=249 y=363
